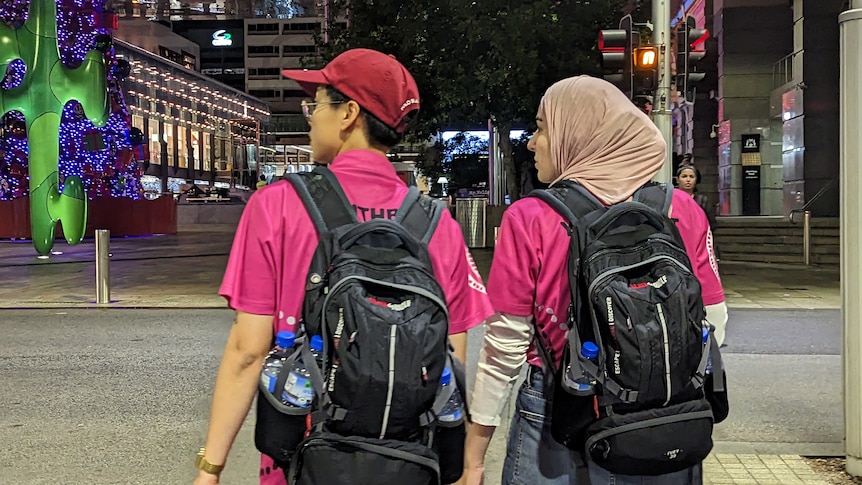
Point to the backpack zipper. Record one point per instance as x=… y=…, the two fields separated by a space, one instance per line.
x=663 y=322
x=379 y=267
x=409 y=288
x=631 y=249
x=621 y=269
x=392 y=333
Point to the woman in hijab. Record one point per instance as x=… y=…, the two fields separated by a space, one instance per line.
x=588 y=132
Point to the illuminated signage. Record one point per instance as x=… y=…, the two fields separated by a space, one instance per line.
x=221 y=38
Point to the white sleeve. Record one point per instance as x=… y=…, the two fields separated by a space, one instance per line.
x=504 y=352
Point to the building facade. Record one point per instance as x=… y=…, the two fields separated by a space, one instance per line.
x=764 y=127
x=222 y=48
x=214 y=9
x=195 y=127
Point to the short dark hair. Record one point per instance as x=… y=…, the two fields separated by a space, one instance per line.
x=378 y=132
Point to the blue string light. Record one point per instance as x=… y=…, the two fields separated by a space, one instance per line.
x=108 y=169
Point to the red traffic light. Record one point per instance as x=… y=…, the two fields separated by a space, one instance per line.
x=697 y=37
x=613 y=40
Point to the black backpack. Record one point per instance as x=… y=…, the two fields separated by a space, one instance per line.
x=371 y=294
x=635 y=296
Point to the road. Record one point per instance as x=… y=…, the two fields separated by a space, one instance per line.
x=122 y=396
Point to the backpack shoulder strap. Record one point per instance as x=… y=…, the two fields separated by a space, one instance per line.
x=323 y=198
x=655 y=195
x=570 y=199
x=419 y=215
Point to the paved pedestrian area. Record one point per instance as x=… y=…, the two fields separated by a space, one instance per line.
x=721 y=469
x=185 y=270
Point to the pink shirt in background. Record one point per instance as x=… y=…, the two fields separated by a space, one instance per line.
x=693 y=226
x=528 y=274
x=276 y=239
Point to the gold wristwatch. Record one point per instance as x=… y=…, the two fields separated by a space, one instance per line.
x=201 y=463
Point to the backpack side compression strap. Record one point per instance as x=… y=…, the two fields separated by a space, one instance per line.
x=324 y=199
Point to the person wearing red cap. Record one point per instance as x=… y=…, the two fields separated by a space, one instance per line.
x=363 y=103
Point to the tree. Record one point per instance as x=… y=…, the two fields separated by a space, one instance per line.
x=525 y=167
x=479 y=60
x=462 y=159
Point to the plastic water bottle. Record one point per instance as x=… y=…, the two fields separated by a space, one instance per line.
x=275 y=360
x=705 y=333
x=453 y=410
x=298 y=389
x=583 y=385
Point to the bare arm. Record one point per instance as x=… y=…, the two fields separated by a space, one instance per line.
x=459 y=343
x=236 y=383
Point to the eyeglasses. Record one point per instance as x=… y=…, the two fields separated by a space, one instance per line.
x=308 y=107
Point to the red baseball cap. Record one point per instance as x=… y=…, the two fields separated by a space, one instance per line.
x=376 y=81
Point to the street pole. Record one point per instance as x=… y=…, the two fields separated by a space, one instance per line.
x=662 y=115
x=103 y=266
x=850 y=175
x=326 y=21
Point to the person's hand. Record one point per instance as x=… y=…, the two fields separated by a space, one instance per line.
x=205 y=478
x=473 y=475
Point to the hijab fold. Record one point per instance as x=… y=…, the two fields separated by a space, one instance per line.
x=600 y=139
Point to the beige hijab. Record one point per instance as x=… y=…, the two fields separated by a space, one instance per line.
x=600 y=138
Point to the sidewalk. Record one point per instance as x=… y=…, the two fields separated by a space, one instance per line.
x=184 y=271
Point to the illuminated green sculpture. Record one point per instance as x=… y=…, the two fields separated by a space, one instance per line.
x=48 y=85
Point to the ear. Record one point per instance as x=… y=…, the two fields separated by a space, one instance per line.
x=349 y=115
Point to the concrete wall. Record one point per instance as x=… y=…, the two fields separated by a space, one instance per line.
x=209 y=213
x=150 y=35
x=698 y=119
x=750 y=40
x=810 y=109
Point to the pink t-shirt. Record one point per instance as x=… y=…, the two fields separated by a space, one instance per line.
x=276 y=240
x=693 y=226
x=528 y=274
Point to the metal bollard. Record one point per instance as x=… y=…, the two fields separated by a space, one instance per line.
x=806 y=237
x=103 y=266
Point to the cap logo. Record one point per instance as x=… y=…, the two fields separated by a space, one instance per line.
x=409 y=102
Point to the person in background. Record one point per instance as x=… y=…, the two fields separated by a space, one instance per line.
x=261 y=183
x=697 y=237
x=193 y=190
x=644 y=103
x=687 y=177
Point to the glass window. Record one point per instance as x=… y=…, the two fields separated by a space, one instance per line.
x=138 y=122
x=263 y=51
x=182 y=147
x=153 y=140
x=196 y=149
x=205 y=143
x=168 y=138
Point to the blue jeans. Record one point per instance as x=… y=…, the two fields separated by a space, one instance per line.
x=534 y=457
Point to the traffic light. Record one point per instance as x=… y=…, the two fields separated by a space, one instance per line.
x=645 y=70
x=690 y=51
x=617 y=48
